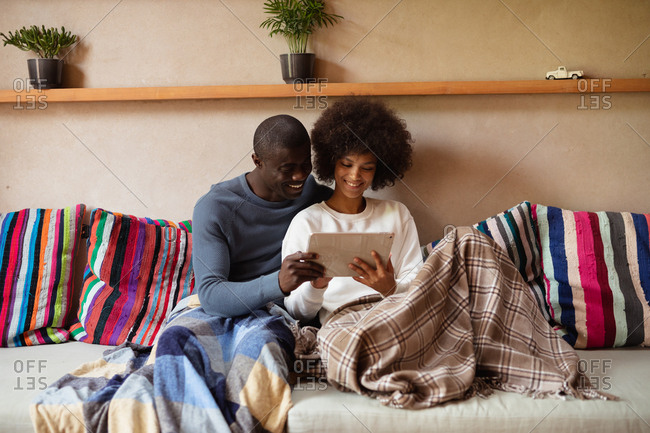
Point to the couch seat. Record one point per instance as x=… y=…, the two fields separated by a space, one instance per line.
x=30 y=369
x=622 y=372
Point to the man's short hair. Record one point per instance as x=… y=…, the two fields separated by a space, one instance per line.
x=281 y=131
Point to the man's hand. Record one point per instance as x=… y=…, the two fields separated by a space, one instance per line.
x=381 y=279
x=298 y=268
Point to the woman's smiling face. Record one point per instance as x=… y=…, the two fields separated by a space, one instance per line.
x=353 y=174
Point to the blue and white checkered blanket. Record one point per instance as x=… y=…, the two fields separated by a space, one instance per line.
x=205 y=373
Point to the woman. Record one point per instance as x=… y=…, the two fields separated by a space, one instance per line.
x=468 y=322
x=359 y=144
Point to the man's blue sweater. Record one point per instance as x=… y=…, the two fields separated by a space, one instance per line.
x=237 y=242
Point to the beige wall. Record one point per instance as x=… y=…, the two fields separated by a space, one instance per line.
x=475 y=155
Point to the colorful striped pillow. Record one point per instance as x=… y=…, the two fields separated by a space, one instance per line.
x=37 y=249
x=597 y=275
x=513 y=231
x=137 y=270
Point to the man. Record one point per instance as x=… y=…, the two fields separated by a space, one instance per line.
x=211 y=360
x=205 y=371
x=238 y=226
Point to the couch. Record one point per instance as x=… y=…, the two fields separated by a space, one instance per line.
x=589 y=272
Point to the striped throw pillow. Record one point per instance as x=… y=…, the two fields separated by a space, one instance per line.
x=597 y=275
x=137 y=270
x=37 y=249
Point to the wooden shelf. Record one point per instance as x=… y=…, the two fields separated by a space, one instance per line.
x=589 y=85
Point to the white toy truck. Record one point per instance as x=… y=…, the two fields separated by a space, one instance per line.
x=562 y=73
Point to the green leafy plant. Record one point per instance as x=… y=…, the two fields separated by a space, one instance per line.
x=47 y=43
x=295 y=20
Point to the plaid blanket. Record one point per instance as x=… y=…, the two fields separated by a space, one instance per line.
x=205 y=373
x=467 y=325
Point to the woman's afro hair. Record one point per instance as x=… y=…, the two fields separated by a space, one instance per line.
x=357 y=125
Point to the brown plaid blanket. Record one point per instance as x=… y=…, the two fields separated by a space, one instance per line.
x=467 y=325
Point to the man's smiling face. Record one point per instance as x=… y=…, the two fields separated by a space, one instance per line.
x=284 y=173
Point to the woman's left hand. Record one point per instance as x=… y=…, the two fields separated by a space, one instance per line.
x=382 y=279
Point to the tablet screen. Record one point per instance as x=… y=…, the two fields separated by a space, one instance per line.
x=337 y=250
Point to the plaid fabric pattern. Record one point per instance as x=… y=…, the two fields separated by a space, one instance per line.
x=514 y=231
x=205 y=374
x=468 y=324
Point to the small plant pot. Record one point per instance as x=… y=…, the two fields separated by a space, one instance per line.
x=45 y=73
x=297 y=67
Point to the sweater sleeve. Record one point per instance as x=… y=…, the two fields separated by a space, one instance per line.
x=410 y=256
x=211 y=262
x=304 y=302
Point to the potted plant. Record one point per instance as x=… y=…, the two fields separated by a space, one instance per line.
x=46 y=71
x=295 y=20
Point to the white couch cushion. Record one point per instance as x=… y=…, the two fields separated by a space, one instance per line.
x=28 y=370
x=622 y=372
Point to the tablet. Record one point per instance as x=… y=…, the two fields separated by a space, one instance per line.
x=337 y=250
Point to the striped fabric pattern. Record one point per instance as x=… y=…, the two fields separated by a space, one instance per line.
x=37 y=249
x=137 y=271
x=597 y=275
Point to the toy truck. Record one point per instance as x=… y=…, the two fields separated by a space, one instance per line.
x=562 y=73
